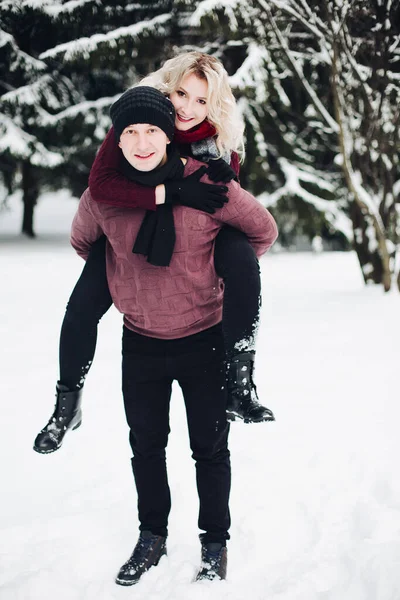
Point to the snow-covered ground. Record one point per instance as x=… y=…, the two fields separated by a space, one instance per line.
x=316 y=495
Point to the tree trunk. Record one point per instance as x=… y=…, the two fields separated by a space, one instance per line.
x=370 y=245
x=370 y=261
x=30 y=190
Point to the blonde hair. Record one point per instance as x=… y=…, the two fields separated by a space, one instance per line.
x=223 y=113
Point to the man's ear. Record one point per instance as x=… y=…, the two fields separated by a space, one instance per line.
x=168 y=141
x=119 y=144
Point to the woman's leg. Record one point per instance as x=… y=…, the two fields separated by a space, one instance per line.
x=236 y=263
x=89 y=301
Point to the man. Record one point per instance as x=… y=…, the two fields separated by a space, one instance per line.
x=162 y=278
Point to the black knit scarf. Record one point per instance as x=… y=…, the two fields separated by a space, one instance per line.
x=156 y=237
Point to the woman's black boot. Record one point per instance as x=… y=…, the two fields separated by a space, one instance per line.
x=242 y=393
x=67 y=415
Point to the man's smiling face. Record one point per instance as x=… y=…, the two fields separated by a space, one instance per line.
x=144 y=146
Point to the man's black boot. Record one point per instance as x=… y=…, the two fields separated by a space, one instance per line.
x=67 y=415
x=147 y=553
x=242 y=393
x=214 y=561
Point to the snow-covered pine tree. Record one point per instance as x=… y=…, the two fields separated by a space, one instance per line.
x=354 y=46
x=27 y=88
x=365 y=81
x=99 y=48
x=320 y=86
x=290 y=146
x=317 y=84
x=63 y=64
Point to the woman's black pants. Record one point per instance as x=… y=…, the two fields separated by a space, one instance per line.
x=89 y=301
x=235 y=262
x=196 y=362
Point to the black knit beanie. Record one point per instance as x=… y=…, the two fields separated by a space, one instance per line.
x=143 y=104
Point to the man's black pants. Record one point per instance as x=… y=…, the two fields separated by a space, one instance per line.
x=149 y=366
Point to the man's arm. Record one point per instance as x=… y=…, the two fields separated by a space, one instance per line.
x=244 y=212
x=85 y=230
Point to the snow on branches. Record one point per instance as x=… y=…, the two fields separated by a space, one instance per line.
x=20 y=144
x=84 y=47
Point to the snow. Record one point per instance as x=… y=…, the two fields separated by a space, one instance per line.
x=20 y=58
x=5 y=38
x=68 y=7
x=87 y=45
x=252 y=74
x=293 y=177
x=24 y=145
x=315 y=496
x=31 y=94
x=91 y=109
x=208 y=7
x=370 y=202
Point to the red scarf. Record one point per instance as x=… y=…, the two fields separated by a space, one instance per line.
x=197 y=133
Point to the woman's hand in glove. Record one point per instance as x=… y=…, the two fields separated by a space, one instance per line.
x=219 y=170
x=191 y=192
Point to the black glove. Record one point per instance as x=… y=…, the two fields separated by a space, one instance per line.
x=219 y=170
x=191 y=192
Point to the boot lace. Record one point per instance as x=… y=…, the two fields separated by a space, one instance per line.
x=141 y=552
x=211 y=558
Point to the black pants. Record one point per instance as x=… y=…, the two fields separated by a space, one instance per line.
x=89 y=301
x=235 y=262
x=149 y=366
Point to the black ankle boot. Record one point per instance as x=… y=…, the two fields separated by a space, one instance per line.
x=147 y=553
x=214 y=560
x=67 y=415
x=242 y=393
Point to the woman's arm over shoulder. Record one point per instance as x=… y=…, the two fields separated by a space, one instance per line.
x=109 y=186
x=85 y=229
x=235 y=163
x=246 y=213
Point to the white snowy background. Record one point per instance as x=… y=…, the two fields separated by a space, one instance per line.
x=315 y=497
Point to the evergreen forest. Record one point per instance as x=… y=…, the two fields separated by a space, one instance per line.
x=317 y=83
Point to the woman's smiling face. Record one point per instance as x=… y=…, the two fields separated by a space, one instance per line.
x=190 y=102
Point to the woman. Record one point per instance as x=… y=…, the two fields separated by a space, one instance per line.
x=207 y=127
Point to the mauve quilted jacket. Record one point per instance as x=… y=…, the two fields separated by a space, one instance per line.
x=185 y=297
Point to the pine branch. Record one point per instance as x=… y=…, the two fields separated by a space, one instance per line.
x=88 y=45
x=327 y=118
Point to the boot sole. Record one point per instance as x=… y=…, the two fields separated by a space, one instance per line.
x=127 y=583
x=135 y=581
x=232 y=416
x=39 y=451
x=260 y=421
